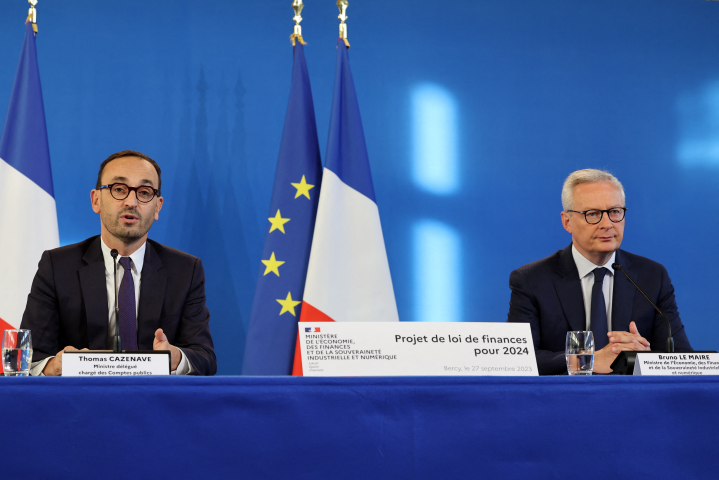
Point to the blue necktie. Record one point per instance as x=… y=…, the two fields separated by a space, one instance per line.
x=128 y=312
x=599 y=311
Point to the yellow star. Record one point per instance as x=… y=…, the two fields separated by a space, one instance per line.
x=303 y=188
x=272 y=265
x=278 y=223
x=288 y=305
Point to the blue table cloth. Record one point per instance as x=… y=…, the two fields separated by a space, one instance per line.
x=347 y=428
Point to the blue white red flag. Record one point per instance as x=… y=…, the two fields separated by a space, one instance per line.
x=28 y=217
x=272 y=332
x=348 y=278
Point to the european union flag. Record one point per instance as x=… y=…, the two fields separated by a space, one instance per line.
x=272 y=333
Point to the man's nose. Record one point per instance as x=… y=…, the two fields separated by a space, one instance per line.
x=131 y=199
x=605 y=222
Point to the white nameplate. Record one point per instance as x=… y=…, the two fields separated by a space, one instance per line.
x=416 y=348
x=103 y=364
x=677 y=364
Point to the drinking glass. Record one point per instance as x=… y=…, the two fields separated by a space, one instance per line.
x=579 y=349
x=16 y=353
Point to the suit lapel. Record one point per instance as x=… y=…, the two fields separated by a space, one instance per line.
x=94 y=294
x=569 y=290
x=152 y=294
x=623 y=295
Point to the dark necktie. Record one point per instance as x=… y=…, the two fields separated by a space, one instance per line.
x=128 y=315
x=599 y=311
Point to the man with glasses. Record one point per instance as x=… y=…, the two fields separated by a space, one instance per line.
x=161 y=291
x=577 y=288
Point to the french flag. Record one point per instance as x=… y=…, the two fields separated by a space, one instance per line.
x=348 y=277
x=28 y=217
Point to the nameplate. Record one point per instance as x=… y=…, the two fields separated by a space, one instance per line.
x=107 y=364
x=698 y=363
x=416 y=348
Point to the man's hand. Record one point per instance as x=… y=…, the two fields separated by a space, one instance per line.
x=53 y=367
x=619 y=342
x=161 y=343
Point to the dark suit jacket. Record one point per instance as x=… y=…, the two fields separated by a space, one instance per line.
x=67 y=304
x=547 y=294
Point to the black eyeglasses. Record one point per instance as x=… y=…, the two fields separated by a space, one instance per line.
x=595 y=216
x=120 y=191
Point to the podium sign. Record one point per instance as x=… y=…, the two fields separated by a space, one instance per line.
x=416 y=348
x=689 y=363
x=107 y=364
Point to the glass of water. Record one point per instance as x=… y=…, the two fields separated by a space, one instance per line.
x=16 y=352
x=579 y=350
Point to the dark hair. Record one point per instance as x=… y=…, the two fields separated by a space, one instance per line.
x=131 y=153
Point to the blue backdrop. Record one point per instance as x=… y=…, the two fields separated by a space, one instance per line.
x=474 y=114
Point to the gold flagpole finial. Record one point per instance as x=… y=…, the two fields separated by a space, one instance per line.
x=297 y=5
x=342 y=5
x=32 y=15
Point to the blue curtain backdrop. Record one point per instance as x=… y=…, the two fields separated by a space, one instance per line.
x=474 y=113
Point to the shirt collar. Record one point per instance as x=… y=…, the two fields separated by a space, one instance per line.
x=138 y=257
x=585 y=267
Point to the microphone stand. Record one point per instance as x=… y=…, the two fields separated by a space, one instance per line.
x=670 y=339
x=117 y=343
x=624 y=363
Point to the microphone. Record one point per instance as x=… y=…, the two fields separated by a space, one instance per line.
x=117 y=343
x=670 y=340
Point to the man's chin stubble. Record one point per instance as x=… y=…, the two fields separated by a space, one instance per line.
x=128 y=236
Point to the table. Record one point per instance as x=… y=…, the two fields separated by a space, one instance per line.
x=346 y=428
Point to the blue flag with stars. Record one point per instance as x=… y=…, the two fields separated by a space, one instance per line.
x=272 y=332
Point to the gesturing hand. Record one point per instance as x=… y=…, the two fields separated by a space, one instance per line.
x=161 y=343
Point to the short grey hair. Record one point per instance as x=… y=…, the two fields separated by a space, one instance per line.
x=588 y=175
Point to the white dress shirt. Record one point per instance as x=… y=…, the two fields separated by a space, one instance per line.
x=137 y=259
x=586 y=276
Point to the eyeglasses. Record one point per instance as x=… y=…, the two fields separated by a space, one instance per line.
x=595 y=216
x=120 y=191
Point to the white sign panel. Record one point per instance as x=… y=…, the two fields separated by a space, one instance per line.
x=677 y=364
x=416 y=348
x=96 y=364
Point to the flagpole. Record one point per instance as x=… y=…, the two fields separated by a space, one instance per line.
x=32 y=15
x=297 y=6
x=342 y=5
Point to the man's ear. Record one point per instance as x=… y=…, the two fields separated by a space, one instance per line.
x=565 y=222
x=158 y=207
x=95 y=199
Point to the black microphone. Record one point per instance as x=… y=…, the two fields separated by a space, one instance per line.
x=117 y=343
x=670 y=340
